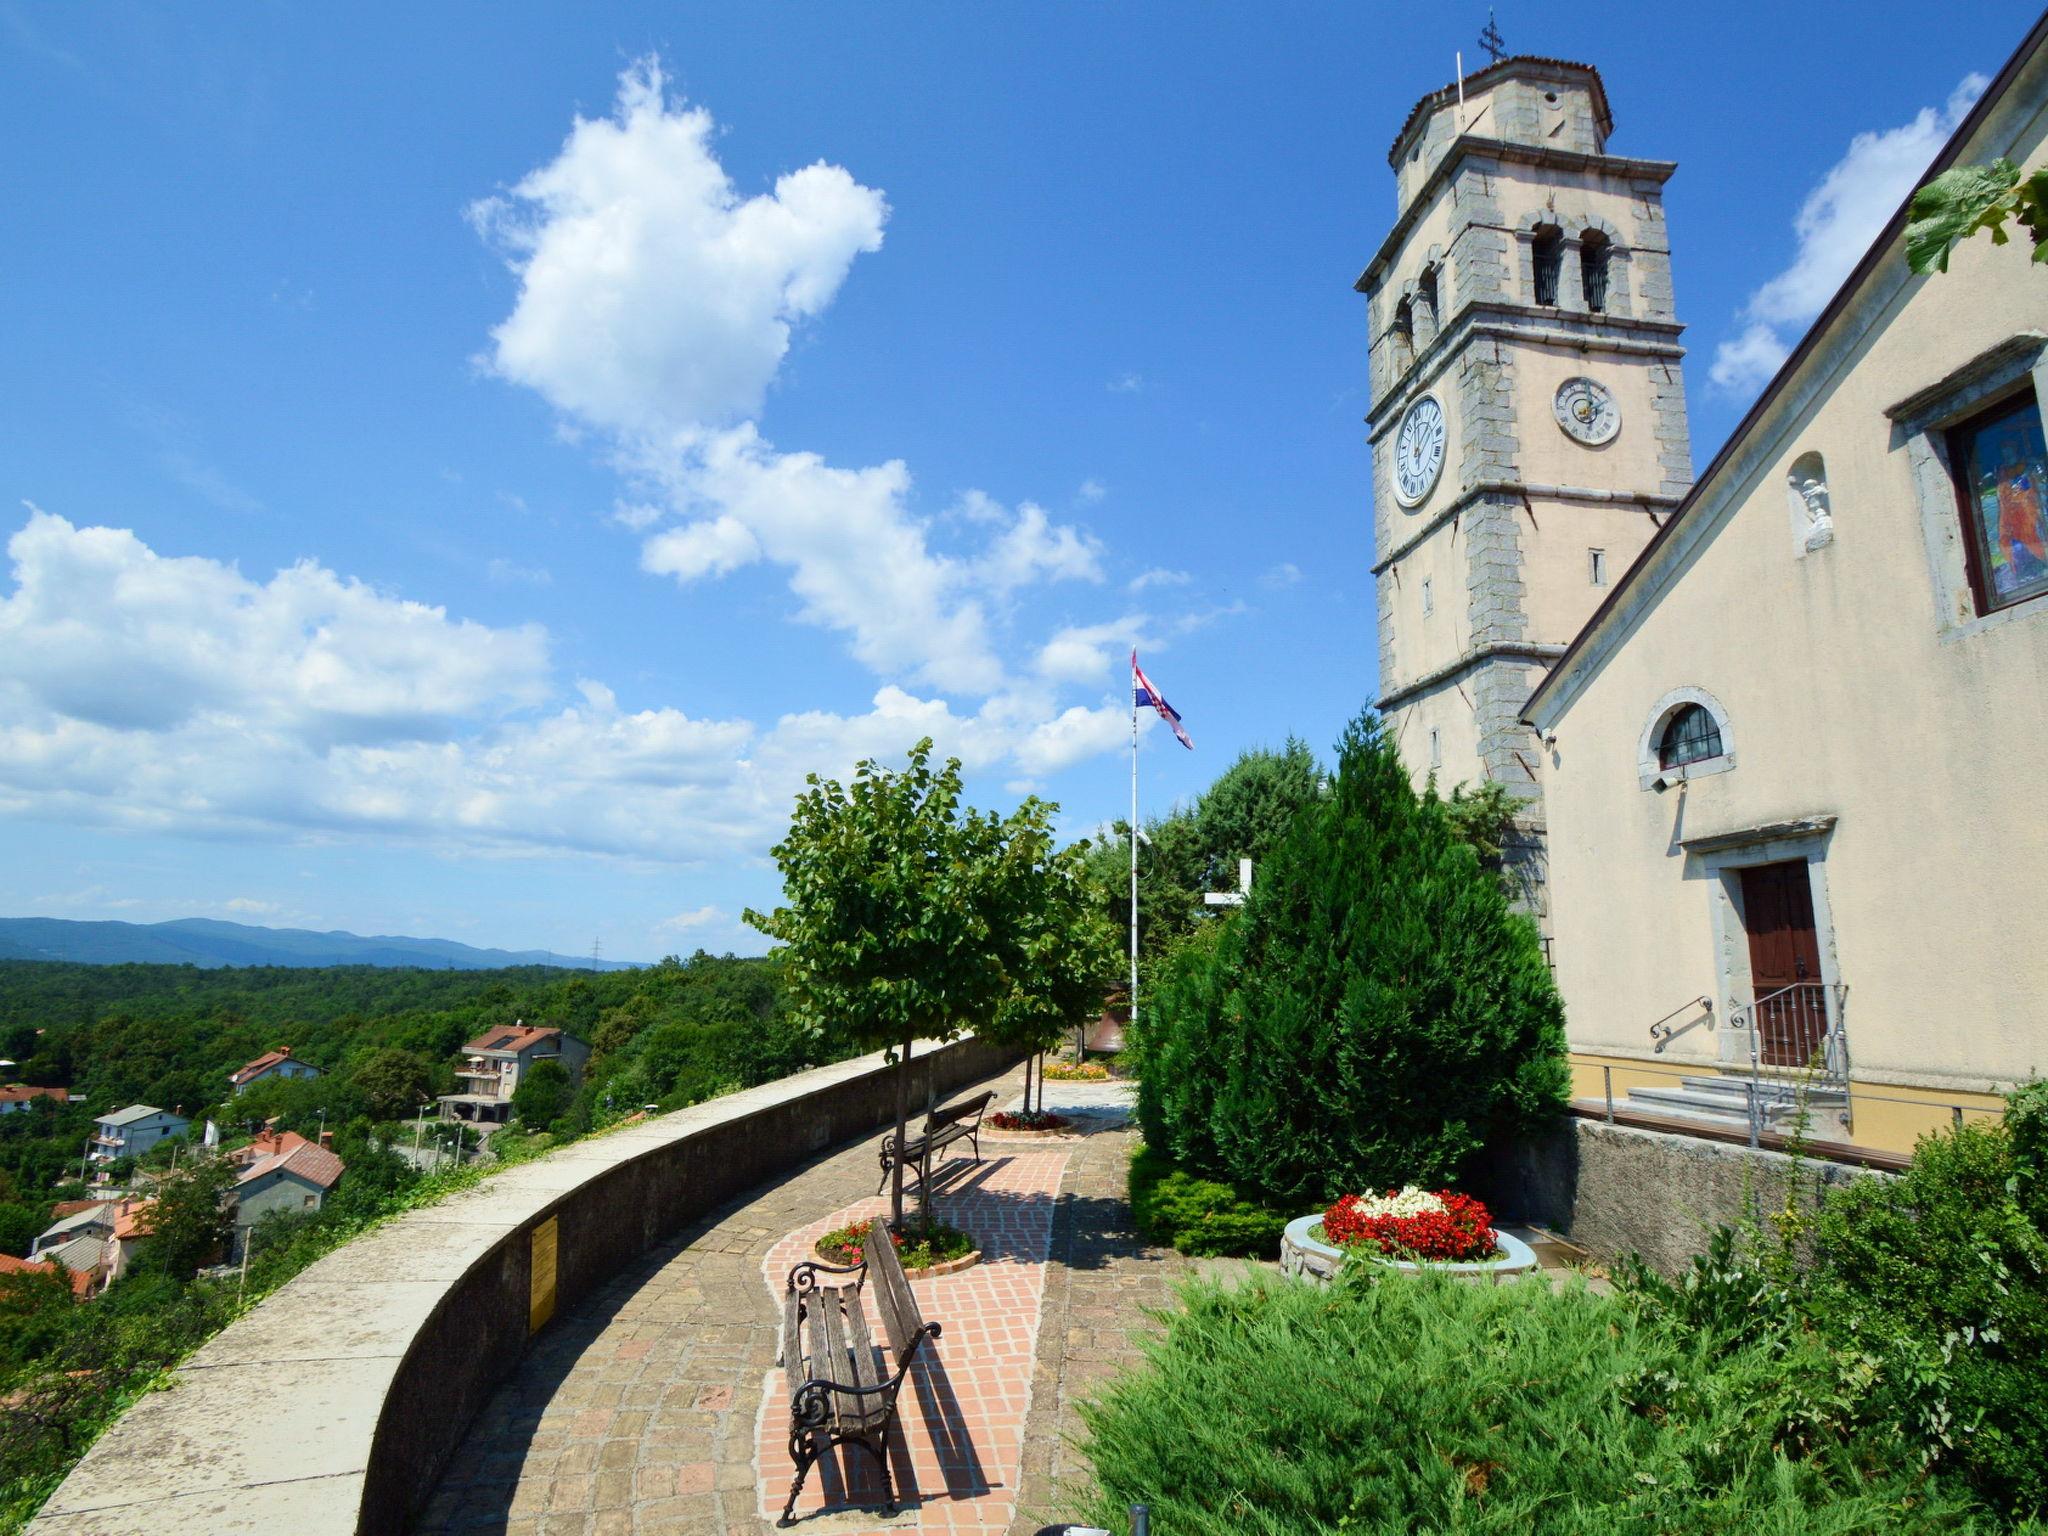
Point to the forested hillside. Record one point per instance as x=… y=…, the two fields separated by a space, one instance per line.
x=670 y=1034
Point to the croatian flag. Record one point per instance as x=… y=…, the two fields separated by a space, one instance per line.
x=1145 y=694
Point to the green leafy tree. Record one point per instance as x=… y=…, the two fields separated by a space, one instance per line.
x=391 y=1081
x=542 y=1094
x=21 y=1225
x=902 y=909
x=1967 y=198
x=1058 y=950
x=1373 y=1015
x=1247 y=812
x=1194 y=849
x=190 y=1221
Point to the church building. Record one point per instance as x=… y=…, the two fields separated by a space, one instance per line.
x=1774 y=730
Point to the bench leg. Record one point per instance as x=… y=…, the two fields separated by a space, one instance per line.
x=801 y=1452
x=882 y=1460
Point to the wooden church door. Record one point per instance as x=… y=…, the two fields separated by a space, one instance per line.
x=1784 y=962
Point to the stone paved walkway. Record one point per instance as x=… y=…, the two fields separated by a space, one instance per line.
x=640 y=1409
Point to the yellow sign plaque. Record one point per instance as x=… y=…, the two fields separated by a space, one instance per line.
x=540 y=1305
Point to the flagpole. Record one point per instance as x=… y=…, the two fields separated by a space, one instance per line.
x=1133 y=1015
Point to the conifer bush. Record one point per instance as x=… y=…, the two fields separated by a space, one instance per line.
x=1373 y=1015
x=1415 y=1404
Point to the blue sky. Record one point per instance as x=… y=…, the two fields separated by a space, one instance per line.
x=461 y=465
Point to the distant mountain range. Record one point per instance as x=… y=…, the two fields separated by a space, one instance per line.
x=202 y=941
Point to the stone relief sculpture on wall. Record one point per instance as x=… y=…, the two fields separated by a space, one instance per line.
x=1812 y=510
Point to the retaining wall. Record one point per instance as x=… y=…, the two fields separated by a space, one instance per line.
x=1615 y=1189
x=331 y=1408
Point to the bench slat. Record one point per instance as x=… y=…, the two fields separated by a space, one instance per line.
x=792 y=1342
x=893 y=1298
x=866 y=1373
x=835 y=1363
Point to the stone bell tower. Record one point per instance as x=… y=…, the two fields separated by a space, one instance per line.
x=1528 y=421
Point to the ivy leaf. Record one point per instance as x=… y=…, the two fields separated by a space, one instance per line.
x=1958 y=203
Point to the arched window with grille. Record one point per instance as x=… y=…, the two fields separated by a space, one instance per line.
x=1686 y=736
x=1546 y=257
x=1595 y=252
x=1691 y=735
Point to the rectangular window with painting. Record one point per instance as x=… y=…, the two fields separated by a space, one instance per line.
x=2001 y=469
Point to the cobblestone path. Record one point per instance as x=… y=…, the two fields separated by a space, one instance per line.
x=641 y=1409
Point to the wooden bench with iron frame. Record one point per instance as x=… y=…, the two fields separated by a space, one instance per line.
x=942 y=1127
x=838 y=1393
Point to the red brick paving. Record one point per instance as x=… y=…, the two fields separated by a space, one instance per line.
x=958 y=1456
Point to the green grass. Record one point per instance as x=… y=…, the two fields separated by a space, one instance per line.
x=1420 y=1405
x=1203 y=1217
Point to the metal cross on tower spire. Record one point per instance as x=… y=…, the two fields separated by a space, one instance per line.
x=1491 y=40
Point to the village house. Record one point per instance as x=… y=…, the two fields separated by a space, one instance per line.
x=494 y=1063
x=131 y=1132
x=82 y=1281
x=282 y=1172
x=95 y=1222
x=17 y=1098
x=277 y=1063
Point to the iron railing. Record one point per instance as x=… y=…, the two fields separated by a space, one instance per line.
x=1798 y=1051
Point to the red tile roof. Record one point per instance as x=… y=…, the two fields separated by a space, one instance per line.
x=513 y=1037
x=261 y=1064
x=81 y=1279
x=291 y=1152
x=16 y=1093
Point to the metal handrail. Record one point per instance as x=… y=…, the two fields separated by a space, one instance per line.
x=1664 y=1034
x=1826 y=1067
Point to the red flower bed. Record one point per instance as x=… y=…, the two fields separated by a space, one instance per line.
x=1450 y=1227
x=1028 y=1120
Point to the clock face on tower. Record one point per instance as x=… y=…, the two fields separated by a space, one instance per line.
x=1419 y=451
x=1586 y=410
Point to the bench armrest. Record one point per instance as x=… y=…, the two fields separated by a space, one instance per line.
x=804 y=1277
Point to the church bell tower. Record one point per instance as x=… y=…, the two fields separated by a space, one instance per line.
x=1528 y=422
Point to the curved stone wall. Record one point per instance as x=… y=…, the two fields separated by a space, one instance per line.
x=331 y=1408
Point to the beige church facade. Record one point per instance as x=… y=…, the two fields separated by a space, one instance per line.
x=1783 y=763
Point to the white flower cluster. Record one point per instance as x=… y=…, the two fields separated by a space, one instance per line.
x=1410 y=1200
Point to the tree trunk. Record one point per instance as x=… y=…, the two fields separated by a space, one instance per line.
x=902 y=1121
x=1028 y=1059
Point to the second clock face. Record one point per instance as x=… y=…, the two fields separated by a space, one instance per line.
x=1419 y=451
x=1586 y=410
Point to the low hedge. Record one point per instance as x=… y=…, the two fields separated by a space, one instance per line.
x=1391 y=1406
x=1199 y=1216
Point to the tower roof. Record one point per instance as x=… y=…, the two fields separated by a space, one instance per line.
x=1518 y=63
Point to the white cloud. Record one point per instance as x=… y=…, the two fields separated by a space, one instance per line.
x=177 y=695
x=1835 y=225
x=656 y=305
x=1158 y=577
x=653 y=297
x=102 y=630
x=1744 y=365
x=1091 y=489
x=700 y=917
x=1031 y=550
x=1285 y=574
x=1127 y=384
x=249 y=906
x=1089 y=653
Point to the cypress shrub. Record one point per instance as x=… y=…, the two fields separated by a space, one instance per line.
x=1372 y=1016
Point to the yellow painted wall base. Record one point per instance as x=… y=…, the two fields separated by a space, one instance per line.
x=1887 y=1117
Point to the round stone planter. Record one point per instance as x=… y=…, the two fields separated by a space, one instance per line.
x=950 y=1267
x=1313 y=1259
